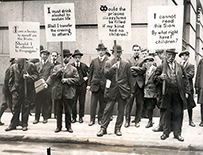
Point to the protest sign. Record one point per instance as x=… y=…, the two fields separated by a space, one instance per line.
x=24 y=39
x=165 y=27
x=59 y=22
x=114 y=19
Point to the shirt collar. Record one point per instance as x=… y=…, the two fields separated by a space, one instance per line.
x=101 y=58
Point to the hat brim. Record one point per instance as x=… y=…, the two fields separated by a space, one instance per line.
x=101 y=48
x=44 y=52
x=117 y=50
x=77 y=54
x=67 y=55
x=183 y=53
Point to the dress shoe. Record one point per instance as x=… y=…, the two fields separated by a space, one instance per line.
x=73 y=120
x=149 y=124
x=70 y=130
x=101 y=132
x=1 y=123
x=91 y=123
x=201 y=124
x=157 y=129
x=10 y=128
x=137 y=125
x=25 y=128
x=35 y=122
x=164 y=136
x=191 y=123
x=118 y=132
x=80 y=120
x=45 y=121
x=126 y=125
x=57 y=130
x=179 y=137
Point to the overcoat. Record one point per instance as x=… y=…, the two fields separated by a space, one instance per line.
x=199 y=82
x=182 y=84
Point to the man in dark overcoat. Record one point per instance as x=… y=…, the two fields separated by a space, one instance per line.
x=63 y=91
x=21 y=73
x=174 y=100
x=199 y=88
x=190 y=71
x=7 y=100
x=119 y=88
x=137 y=71
x=96 y=83
x=80 y=95
x=43 y=98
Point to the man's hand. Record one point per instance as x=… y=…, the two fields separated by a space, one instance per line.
x=85 y=78
x=45 y=85
x=186 y=95
x=88 y=88
x=64 y=80
x=163 y=76
x=25 y=75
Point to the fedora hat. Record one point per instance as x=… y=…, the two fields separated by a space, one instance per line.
x=101 y=46
x=44 y=51
x=118 y=48
x=151 y=58
x=172 y=50
x=66 y=53
x=159 y=51
x=184 y=52
x=77 y=52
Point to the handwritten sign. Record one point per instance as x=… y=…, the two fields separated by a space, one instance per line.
x=24 y=39
x=165 y=27
x=59 y=22
x=114 y=19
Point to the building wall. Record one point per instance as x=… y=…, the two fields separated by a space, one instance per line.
x=86 y=27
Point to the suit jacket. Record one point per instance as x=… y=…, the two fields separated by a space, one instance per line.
x=66 y=90
x=83 y=71
x=44 y=70
x=96 y=77
x=182 y=84
x=123 y=84
x=138 y=77
x=16 y=81
x=150 y=87
x=199 y=82
x=190 y=71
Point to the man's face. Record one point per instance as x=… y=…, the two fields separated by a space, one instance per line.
x=77 y=58
x=184 y=57
x=101 y=52
x=145 y=53
x=117 y=55
x=54 y=56
x=170 y=57
x=44 y=56
x=161 y=55
x=66 y=59
x=136 y=51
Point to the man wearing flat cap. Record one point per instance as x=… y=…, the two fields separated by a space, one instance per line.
x=190 y=71
x=96 y=83
x=174 y=99
x=81 y=85
x=63 y=91
x=119 y=88
x=43 y=98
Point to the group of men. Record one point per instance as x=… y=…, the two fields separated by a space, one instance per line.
x=168 y=85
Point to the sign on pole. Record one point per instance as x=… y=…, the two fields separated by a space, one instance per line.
x=24 y=39
x=165 y=27
x=60 y=22
x=114 y=19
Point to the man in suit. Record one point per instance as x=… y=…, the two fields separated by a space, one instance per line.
x=54 y=61
x=80 y=95
x=63 y=91
x=43 y=98
x=119 y=87
x=190 y=71
x=137 y=71
x=174 y=100
x=96 y=83
x=21 y=73
x=6 y=92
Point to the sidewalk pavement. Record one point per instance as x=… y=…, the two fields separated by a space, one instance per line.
x=131 y=136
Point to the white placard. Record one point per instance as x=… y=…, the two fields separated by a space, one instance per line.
x=24 y=39
x=114 y=19
x=59 y=22
x=165 y=27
